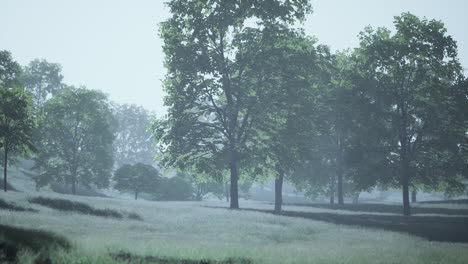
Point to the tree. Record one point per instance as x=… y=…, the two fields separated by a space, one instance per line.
x=133 y=143
x=10 y=71
x=43 y=79
x=16 y=116
x=216 y=83
x=136 y=178
x=413 y=76
x=16 y=125
x=78 y=136
x=177 y=188
x=289 y=128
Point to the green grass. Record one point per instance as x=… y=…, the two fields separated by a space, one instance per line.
x=173 y=232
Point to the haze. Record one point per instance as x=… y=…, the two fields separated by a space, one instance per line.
x=114 y=46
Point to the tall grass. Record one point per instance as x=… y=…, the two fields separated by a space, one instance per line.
x=191 y=230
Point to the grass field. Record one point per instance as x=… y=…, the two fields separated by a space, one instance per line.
x=45 y=227
x=174 y=232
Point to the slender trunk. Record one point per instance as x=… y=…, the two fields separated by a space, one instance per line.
x=73 y=186
x=332 y=190
x=413 y=196
x=405 y=182
x=340 y=187
x=404 y=157
x=5 y=165
x=279 y=189
x=356 y=199
x=226 y=190
x=74 y=180
x=406 y=201
x=339 y=172
x=234 y=181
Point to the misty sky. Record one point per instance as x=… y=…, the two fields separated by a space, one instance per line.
x=114 y=45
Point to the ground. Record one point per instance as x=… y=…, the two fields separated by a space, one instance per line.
x=111 y=230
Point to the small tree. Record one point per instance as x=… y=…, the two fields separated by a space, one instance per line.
x=16 y=125
x=16 y=118
x=136 y=178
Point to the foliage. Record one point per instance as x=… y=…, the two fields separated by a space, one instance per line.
x=78 y=135
x=43 y=79
x=413 y=76
x=136 y=178
x=176 y=188
x=16 y=115
x=217 y=83
x=132 y=144
x=10 y=71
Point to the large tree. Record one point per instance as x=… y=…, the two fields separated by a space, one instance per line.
x=288 y=129
x=16 y=115
x=78 y=136
x=216 y=83
x=413 y=77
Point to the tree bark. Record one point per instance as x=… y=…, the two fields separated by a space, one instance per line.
x=73 y=187
x=332 y=190
x=74 y=180
x=339 y=173
x=234 y=181
x=340 y=187
x=226 y=189
x=279 y=189
x=413 y=196
x=5 y=165
x=404 y=156
x=405 y=182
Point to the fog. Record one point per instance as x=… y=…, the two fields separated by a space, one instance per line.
x=114 y=46
x=212 y=131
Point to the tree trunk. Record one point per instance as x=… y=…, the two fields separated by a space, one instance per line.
x=74 y=181
x=73 y=187
x=332 y=190
x=339 y=173
x=5 y=165
x=406 y=200
x=279 y=189
x=404 y=157
x=226 y=190
x=356 y=199
x=234 y=181
x=413 y=196
x=340 y=187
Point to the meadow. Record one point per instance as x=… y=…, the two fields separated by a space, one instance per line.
x=45 y=227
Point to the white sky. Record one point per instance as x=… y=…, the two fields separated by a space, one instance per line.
x=114 y=45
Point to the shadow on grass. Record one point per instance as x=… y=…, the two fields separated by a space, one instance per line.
x=459 y=201
x=436 y=228
x=14 y=239
x=9 y=187
x=124 y=256
x=77 y=207
x=387 y=208
x=13 y=207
